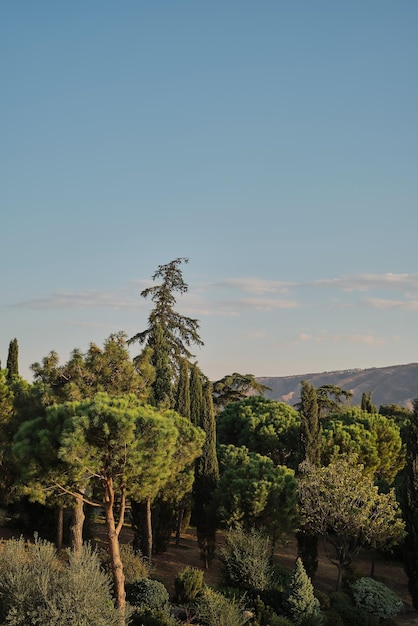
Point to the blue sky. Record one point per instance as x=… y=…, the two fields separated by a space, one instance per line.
x=274 y=144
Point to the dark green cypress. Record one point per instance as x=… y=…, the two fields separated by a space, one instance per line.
x=410 y=505
x=13 y=359
x=182 y=404
x=310 y=447
x=196 y=395
x=206 y=480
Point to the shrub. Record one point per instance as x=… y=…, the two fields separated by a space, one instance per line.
x=147 y=593
x=152 y=617
x=375 y=598
x=246 y=560
x=188 y=583
x=350 y=614
x=213 y=609
x=301 y=604
x=37 y=588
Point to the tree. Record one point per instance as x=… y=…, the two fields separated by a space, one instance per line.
x=169 y=334
x=410 y=505
x=300 y=602
x=374 y=438
x=182 y=404
x=235 y=387
x=113 y=445
x=254 y=492
x=265 y=426
x=12 y=365
x=342 y=505
x=310 y=444
x=331 y=399
x=206 y=480
x=367 y=403
x=196 y=394
x=109 y=369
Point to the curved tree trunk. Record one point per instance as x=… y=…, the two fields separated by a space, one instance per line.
x=114 y=550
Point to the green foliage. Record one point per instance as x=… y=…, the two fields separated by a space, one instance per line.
x=188 y=584
x=343 y=505
x=213 y=609
x=264 y=426
x=246 y=560
x=135 y=566
x=37 y=588
x=350 y=614
x=169 y=335
x=374 y=438
x=12 y=364
x=310 y=427
x=235 y=387
x=375 y=598
x=147 y=593
x=152 y=617
x=254 y=492
x=410 y=505
x=300 y=603
x=182 y=404
x=109 y=369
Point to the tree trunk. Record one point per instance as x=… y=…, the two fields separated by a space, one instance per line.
x=147 y=530
x=114 y=552
x=77 y=521
x=60 y=528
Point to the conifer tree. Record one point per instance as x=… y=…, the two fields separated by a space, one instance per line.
x=206 y=479
x=182 y=405
x=410 y=505
x=310 y=444
x=301 y=604
x=169 y=334
x=13 y=359
x=196 y=395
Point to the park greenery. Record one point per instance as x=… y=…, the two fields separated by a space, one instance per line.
x=149 y=442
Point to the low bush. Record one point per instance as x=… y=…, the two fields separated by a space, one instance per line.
x=350 y=614
x=188 y=584
x=246 y=560
x=38 y=588
x=147 y=593
x=375 y=598
x=213 y=609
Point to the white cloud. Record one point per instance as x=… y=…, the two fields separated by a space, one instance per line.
x=367 y=282
x=82 y=300
x=255 y=285
x=382 y=303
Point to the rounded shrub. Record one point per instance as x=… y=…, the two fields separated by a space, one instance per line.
x=147 y=593
x=374 y=597
x=213 y=609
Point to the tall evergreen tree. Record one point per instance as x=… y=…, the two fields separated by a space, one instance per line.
x=196 y=395
x=410 y=505
x=206 y=479
x=182 y=405
x=13 y=359
x=310 y=444
x=169 y=334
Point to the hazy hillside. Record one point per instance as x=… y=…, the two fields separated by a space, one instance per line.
x=397 y=384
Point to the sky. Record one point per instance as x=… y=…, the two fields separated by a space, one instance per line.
x=273 y=144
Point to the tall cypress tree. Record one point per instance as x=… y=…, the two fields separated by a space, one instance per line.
x=196 y=395
x=206 y=479
x=182 y=405
x=310 y=447
x=410 y=505
x=13 y=359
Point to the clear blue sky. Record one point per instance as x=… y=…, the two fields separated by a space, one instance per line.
x=273 y=143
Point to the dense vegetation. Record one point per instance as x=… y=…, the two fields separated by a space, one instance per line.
x=153 y=436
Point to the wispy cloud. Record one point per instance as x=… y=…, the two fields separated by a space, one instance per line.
x=381 y=303
x=255 y=285
x=81 y=300
x=323 y=336
x=367 y=282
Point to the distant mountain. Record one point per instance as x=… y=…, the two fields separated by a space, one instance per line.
x=397 y=384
